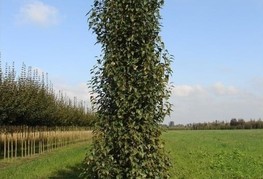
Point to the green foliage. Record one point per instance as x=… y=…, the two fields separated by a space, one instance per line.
x=29 y=99
x=130 y=91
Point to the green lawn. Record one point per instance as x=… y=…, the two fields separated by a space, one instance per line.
x=216 y=154
x=61 y=163
x=195 y=154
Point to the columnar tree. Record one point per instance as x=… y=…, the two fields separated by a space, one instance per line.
x=130 y=86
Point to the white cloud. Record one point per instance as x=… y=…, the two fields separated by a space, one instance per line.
x=187 y=90
x=221 y=89
x=38 y=13
x=81 y=91
x=196 y=103
x=71 y=90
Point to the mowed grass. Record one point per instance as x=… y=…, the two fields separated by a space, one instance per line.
x=216 y=154
x=194 y=154
x=61 y=163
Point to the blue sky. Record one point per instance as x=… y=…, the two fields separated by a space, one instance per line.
x=217 y=45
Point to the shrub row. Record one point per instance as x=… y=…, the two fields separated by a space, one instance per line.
x=233 y=124
x=29 y=99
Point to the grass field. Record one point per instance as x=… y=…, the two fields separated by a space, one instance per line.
x=195 y=154
x=216 y=154
x=61 y=163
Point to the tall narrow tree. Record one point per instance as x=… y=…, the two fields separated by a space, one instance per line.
x=130 y=84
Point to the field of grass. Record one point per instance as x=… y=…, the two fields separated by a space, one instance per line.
x=195 y=154
x=60 y=163
x=216 y=154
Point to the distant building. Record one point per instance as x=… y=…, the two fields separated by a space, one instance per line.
x=171 y=124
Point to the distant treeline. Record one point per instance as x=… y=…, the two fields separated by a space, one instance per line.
x=29 y=99
x=233 y=124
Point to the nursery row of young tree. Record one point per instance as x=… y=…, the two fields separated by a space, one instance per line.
x=233 y=124
x=29 y=99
